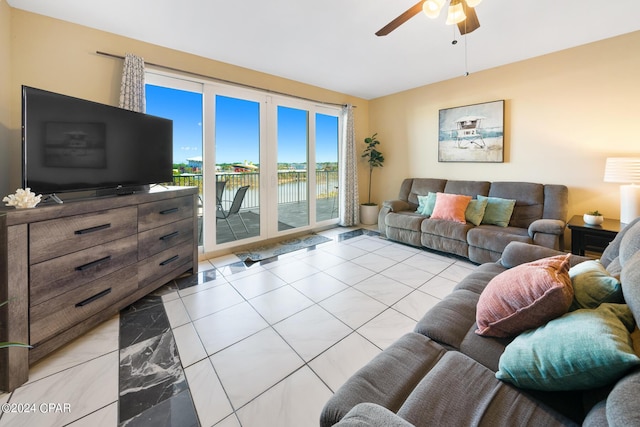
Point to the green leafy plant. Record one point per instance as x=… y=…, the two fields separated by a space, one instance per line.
x=12 y=344
x=374 y=158
x=594 y=213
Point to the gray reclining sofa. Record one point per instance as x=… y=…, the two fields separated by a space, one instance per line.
x=444 y=374
x=539 y=217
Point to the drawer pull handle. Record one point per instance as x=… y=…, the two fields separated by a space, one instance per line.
x=169 y=211
x=170 y=236
x=93 y=263
x=92 y=229
x=170 y=260
x=93 y=298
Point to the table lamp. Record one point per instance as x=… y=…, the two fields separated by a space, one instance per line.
x=625 y=170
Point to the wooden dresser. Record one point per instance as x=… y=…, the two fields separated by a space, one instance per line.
x=66 y=268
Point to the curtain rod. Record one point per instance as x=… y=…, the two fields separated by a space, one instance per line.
x=219 y=80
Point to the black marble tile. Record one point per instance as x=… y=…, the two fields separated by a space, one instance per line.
x=355 y=233
x=196 y=279
x=150 y=373
x=177 y=411
x=138 y=324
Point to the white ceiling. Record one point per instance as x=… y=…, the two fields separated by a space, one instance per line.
x=331 y=43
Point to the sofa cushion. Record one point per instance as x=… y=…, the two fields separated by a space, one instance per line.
x=496 y=238
x=406 y=220
x=468 y=188
x=412 y=188
x=369 y=414
x=581 y=350
x=525 y=297
x=530 y=198
x=593 y=285
x=460 y=392
x=498 y=211
x=630 y=279
x=426 y=204
x=475 y=211
x=630 y=244
x=451 y=207
x=387 y=380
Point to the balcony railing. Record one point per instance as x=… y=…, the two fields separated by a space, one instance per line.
x=292 y=185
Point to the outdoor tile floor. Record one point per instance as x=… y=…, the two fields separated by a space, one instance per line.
x=242 y=345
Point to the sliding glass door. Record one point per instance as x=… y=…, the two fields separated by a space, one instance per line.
x=237 y=168
x=267 y=165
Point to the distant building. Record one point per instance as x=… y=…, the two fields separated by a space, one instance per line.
x=195 y=162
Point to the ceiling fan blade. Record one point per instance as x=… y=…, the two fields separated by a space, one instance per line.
x=410 y=13
x=471 y=23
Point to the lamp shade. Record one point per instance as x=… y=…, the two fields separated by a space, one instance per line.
x=432 y=8
x=456 y=13
x=622 y=169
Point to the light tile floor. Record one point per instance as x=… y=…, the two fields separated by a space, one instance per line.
x=261 y=345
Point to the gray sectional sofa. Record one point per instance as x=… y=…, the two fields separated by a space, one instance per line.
x=444 y=373
x=539 y=217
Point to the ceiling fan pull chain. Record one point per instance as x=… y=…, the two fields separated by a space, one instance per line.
x=466 y=64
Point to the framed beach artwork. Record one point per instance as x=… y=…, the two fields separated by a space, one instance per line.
x=472 y=133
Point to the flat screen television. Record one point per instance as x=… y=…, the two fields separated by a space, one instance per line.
x=74 y=145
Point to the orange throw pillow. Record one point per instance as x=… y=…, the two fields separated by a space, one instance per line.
x=451 y=207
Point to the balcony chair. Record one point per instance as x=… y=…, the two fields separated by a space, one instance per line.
x=219 y=191
x=233 y=210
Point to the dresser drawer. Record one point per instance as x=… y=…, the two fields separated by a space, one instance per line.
x=155 y=214
x=60 y=313
x=63 y=274
x=156 y=240
x=56 y=237
x=163 y=263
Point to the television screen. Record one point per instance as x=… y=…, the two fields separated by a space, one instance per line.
x=71 y=144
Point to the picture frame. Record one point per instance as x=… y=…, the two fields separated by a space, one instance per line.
x=472 y=133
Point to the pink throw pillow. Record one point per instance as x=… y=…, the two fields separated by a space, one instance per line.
x=525 y=297
x=451 y=207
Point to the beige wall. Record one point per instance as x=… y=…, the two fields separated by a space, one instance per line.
x=5 y=85
x=61 y=57
x=565 y=113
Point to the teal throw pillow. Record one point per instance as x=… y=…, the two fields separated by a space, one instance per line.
x=475 y=211
x=581 y=350
x=498 y=211
x=426 y=204
x=593 y=285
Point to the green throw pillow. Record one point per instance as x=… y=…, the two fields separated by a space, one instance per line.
x=498 y=211
x=475 y=211
x=426 y=204
x=581 y=350
x=593 y=285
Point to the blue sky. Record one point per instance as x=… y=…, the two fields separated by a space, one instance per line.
x=237 y=129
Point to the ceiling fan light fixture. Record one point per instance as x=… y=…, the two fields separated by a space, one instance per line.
x=473 y=3
x=432 y=8
x=456 y=13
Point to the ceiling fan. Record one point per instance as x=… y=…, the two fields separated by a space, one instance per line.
x=460 y=12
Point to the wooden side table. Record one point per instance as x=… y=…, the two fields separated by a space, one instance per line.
x=592 y=238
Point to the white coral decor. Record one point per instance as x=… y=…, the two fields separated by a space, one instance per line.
x=22 y=199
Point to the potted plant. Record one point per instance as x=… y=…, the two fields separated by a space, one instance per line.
x=593 y=218
x=369 y=210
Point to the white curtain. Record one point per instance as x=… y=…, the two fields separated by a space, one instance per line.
x=132 y=86
x=349 y=199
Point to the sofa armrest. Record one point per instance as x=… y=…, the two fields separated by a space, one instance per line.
x=370 y=414
x=548 y=226
x=397 y=205
x=517 y=253
x=623 y=405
